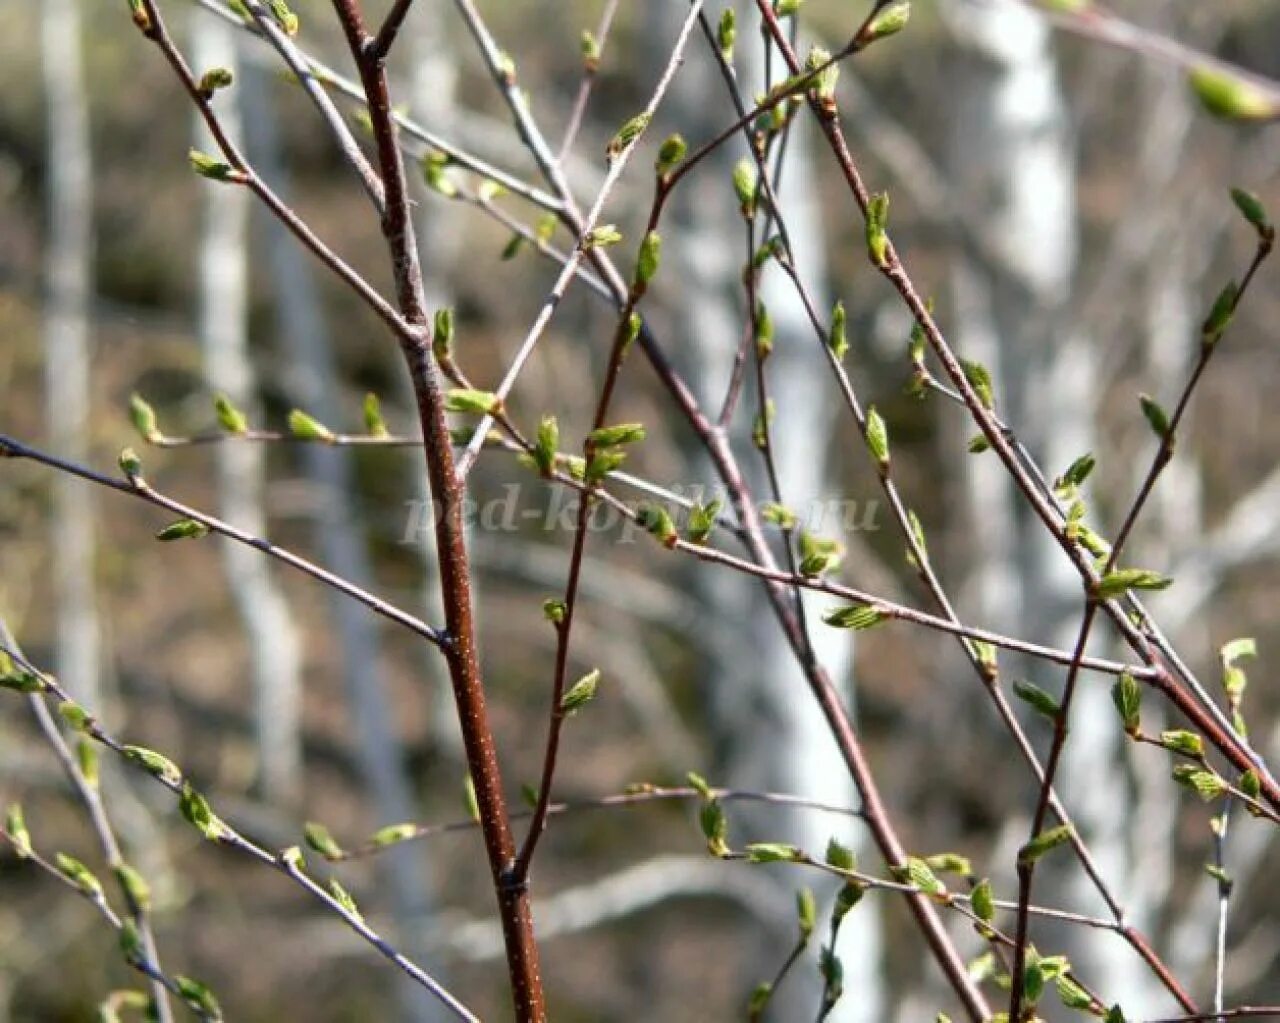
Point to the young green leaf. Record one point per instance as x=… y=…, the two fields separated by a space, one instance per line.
x=195 y=808
x=877 y=435
x=857 y=617
x=726 y=34
x=612 y=436
x=806 y=912
x=319 y=838
x=772 y=852
x=230 y=418
x=1206 y=784
x=183 y=529
x=670 y=154
x=462 y=399
x=344 y=898
x=81 y=875
x=143 y=417
x=1219 y=318
x=840 y=856
x=1178 y=740
x=891 y=20
x=1156 y=416
x=1231 y=97
x=546 y=444
x=374 y=424
x=837 y=339
x=1127 y=696
x=1043 y=843
x=744 y=185
x=305 y=427
x=1037 y=699
x=580 y=693
x=15 y=824
x=983 y=901
x=1251 y=208
x=1122 y=580
x=392 y=834
x=877 y=224
x=602 y=236
x=627 y=134
x=212 y=168
x=157 y=764
x=715 y=827
x=649 y=260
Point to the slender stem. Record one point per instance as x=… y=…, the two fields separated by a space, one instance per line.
x=381 y=45
x=89 y=794
x=228 y=836
x=564 y=627
x=589 y=74
x=141 y=489
x=1027 y=864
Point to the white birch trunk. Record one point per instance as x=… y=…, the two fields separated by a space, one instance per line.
x=312 y=381
x=68 y=279
x=768 y=732
x=222 y=325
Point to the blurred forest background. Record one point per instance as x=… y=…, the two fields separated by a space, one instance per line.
x=1067 y=206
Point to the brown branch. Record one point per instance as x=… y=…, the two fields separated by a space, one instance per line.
x=448 y=494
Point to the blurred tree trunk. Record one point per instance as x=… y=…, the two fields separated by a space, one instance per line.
x=433 y=94
x=313 y=382
x=68 y=283
x=1012 y=162
x=767 y=732
x=222 y=325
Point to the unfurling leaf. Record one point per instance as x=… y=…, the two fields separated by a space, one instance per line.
x=374 y=424
x=627 y=134
x=16 y=825
x=670 y=154
x=983 y=901
x=772 y=852
x=889 y=21
x=143 y=417
x=1219 y=318
x=157 y=764
x=1043 y=843
x=650 y=258
x=580 y=693
x=546 y=444
x=1127 y=696
x=877 y=226
x=462 y=399
x=1206 y=784
x=183 y=529
x=1037 y=698
x=837 y=339
x=1226 y=95
x=1122 y=580
x=306 y=427
x=856 y=617
x=321 y=839
x=715 y=827
x=877 y=438
x=212 y=168
x=81 y=875
x=230 y=418
x=1156 y=416
x=726 y=34
x=1251 y=208
x=392 y=834
x=1178 y=740
x=806 y=912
